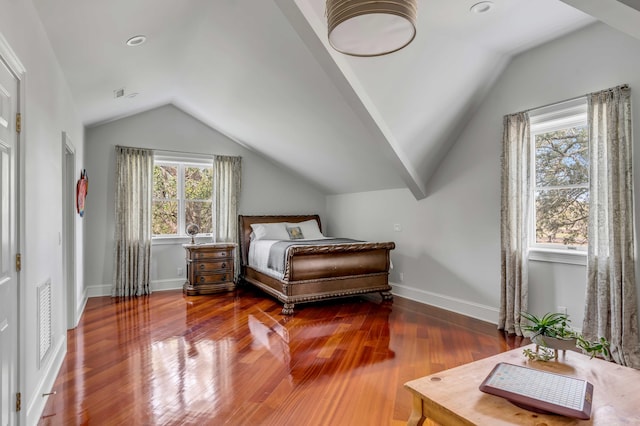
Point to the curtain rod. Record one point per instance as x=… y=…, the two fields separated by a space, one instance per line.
x=622 y=86
x=175 y=151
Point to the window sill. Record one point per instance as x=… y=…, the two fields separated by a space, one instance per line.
x=558 y=256
x=178 y=240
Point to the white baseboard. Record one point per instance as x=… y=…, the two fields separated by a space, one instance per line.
x=36 y=405
x=99 y=290
x=171 y=284
x=81 y=306
x=464 y=307
x=157 y=285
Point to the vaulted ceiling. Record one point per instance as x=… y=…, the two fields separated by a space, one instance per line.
x=262 y=73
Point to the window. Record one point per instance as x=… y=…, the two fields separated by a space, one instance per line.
x=182 y=194
x=560 y=177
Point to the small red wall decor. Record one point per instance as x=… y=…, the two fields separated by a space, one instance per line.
x=81 y=191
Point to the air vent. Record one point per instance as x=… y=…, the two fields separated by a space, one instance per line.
x=44 y=319
x=634 y=4
x=118 y=93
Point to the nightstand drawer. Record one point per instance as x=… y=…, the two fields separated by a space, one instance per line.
x=219 y=265
x=213 y=278
x=212 y=254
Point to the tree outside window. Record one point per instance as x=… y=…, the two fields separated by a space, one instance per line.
x=561 y=192
x=182 y=194
x=198 y=183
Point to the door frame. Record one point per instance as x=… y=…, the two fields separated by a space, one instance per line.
x=15 y=66
x=69 y=231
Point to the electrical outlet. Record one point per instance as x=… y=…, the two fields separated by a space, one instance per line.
x=397 y=227
x=180 y=270
x=401 y=276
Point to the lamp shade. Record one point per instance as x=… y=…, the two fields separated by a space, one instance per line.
x=371 y=28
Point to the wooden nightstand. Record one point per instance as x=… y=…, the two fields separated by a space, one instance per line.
x=209 y=268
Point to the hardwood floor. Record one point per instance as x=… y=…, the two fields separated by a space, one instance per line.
x=232 y=359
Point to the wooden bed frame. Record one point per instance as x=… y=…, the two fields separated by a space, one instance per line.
x=315 y=273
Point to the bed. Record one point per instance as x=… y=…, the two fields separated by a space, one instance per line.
x=312 y=269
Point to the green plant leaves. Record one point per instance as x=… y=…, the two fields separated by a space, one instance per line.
x=556 y=324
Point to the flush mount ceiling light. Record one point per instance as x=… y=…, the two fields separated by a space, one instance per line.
x=371 y=28
x=482 y=7
x=136 y=40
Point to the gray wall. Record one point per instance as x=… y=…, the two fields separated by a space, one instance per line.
x=49 y=110
x=449 y=248
x=266 y=187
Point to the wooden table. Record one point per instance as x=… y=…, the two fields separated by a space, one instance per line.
x=452 y=397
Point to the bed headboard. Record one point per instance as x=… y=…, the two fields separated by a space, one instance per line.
x=244 y=228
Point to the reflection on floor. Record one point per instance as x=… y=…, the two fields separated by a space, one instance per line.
x=317 y=347
x=233 y=359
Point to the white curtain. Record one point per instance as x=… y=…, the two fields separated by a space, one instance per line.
x=132 y=251
x=514 y=217
x=227 y=179
x=611 y=307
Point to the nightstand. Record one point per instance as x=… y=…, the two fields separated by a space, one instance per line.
x=209 y=268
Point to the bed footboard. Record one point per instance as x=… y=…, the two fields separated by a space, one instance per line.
x=332 y=261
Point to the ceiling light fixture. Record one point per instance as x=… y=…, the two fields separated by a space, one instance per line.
x=482 y=7
x=371 y=28
x=136 y=40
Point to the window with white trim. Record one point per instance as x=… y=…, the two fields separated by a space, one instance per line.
x=182 y=194
x=560 y=176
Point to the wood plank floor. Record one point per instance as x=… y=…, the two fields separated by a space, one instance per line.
x=232 y=359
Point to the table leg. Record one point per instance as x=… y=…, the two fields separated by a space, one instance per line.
x=417 y=416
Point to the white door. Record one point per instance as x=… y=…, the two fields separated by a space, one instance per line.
x=8 y=274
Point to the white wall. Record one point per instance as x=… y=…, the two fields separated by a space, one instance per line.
x=266 y=188
x=49 y=110
x=448 y=249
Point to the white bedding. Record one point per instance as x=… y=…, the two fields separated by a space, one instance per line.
x=258 y=257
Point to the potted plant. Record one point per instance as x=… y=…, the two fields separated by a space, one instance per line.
x=552 y=332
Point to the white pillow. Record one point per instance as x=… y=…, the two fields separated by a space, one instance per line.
x=270 y=231
x=310 y=229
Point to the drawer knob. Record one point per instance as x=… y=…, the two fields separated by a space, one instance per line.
x=224 y=278
x=224 y=265
x=223 y=253
x=201 y=279
x=202 y=266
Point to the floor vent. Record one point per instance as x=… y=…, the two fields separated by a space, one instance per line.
x=44 y=319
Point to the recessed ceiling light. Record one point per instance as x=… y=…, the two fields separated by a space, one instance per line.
x=482 y=7
x=136 y=40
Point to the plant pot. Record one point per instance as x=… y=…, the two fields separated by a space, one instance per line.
x=555 y=343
